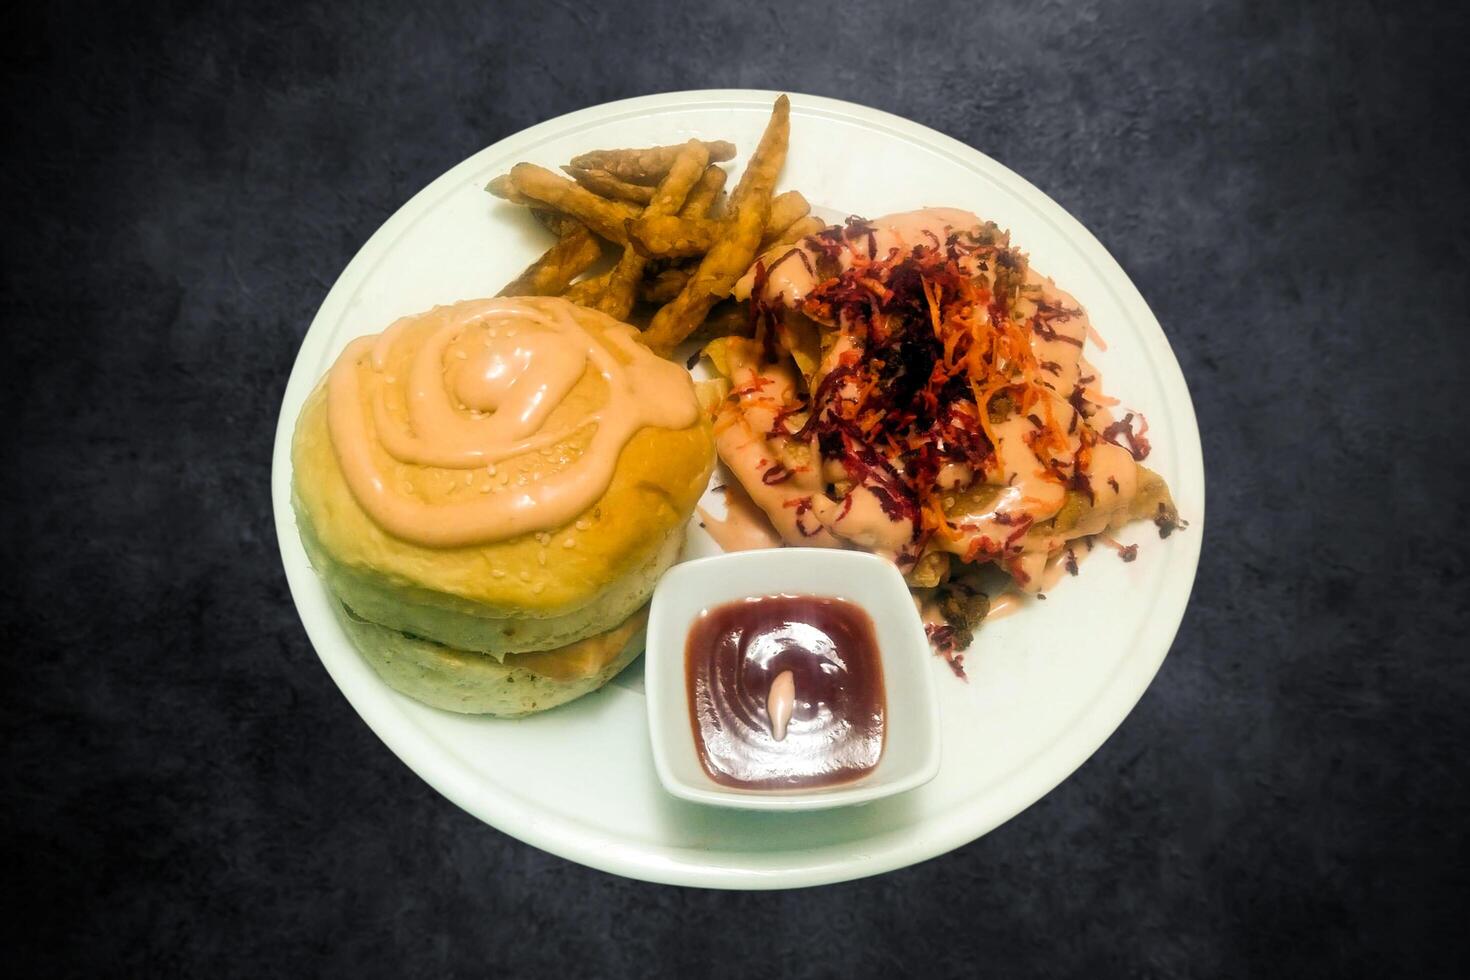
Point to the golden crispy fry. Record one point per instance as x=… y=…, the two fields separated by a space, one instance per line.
x=727 y=319
x=717 y=209
x=760 y=176
x=604 y=183
x=621 y=290
x=556 y=222
x=598 y=213
x=646 y=166
x=684 y=175
x=705 y=193
x=563 y=262
x=553 y=221
x=794 y=232
x=588 y=291
x=503 y=188
x=785 y=208
x=622 y=286
x=668 y=237
x=664 y=285
x=735 y=248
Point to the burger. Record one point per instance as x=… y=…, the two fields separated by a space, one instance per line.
x=489 y=492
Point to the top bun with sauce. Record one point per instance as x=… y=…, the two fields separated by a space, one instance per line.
x=490 y=491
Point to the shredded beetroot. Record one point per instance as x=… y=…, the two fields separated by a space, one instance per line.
x=796 y=253
x=1043 y=329
x=943 y=638
x=859 y=229
x=802 y=506
x=1082 y=483
x=776 y=474
x=1137 y=444
x=1078 y=400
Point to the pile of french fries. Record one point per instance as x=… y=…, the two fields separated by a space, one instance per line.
x=682 y=245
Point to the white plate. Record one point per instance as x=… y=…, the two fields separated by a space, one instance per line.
x=1046 y=686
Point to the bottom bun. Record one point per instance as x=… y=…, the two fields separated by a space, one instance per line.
x=477 y=684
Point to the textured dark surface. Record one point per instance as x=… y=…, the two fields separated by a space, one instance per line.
x=186 y=792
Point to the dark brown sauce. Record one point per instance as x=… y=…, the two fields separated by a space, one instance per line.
x=836 y=731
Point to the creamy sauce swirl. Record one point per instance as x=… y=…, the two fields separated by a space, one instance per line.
x=421 y=414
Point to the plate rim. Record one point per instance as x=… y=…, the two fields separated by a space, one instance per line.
x=1106 y=712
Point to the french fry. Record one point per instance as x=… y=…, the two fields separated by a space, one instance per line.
x=760 y=176
x=605 y=217
x=794 y=232
x=622 y=286
x=549 y=275
x=663 y=285
x=649 y=165
x=705 y=193
x=555 y=222
x=727 y=319
x=785 y=209
x=672 y=237
x=735 y=248
x=604 y=183
x=717 y=208
x=503 y=188
x=588 y=291
x=684 y=175
x=552 y=220
x=617 y=297
x=669 y=236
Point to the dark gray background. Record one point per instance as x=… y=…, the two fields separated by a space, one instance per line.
x=187 y=793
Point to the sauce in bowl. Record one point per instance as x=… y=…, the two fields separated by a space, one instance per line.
x=785 y=692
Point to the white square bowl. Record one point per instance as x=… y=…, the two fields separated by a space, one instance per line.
x=911 y=749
